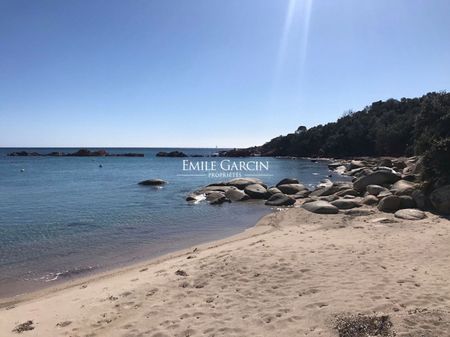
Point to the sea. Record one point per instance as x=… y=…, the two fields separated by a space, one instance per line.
x=66 y=217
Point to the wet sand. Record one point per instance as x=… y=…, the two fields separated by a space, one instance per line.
x=294 y=274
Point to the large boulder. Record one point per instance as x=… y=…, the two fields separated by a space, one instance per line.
x=242 y=183
x=320 y=207
x=280 y=199
x=403 y=187
x=152 y=182
x=346 y=203
x=375 y=178
x=375 y=189
x=288 y=181
x=370 y=200
x=440 y=198
x=410 y=214
x=273 y=190
x=390 y=204
x=236 y=195
x=216 y=198
x=291 y=188
x=256 y=191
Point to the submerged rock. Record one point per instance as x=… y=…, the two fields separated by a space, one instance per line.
x=153 y=182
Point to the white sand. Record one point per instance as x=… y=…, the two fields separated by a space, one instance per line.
x=289 y=276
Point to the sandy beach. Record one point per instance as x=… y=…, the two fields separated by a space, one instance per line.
x=295 y=273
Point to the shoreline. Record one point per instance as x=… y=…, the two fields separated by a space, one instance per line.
x=144 y=262
x=293 y=273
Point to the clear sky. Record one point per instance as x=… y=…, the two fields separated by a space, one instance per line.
x=201 y=73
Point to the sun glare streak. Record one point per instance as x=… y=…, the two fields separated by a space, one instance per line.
x=307 y=6
x=285 y=36
x=302 y=9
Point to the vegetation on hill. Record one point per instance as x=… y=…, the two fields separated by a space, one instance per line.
x=405 y=127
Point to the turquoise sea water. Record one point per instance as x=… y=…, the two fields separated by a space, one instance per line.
x=61 y=217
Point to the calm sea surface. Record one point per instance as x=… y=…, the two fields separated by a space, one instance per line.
x=61 y=217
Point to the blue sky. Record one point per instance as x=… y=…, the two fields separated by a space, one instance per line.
x=202 y=73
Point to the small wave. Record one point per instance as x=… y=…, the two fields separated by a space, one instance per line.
x=50 y=277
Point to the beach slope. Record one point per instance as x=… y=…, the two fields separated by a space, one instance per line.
x=294 y=274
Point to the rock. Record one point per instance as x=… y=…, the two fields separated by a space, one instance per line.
x=256 y=191
x=370 y=200
x=153 y=182
x=171 y=154
x=389 y=204
x=328 y=190
x=419 y=199
x=347 y=191
x=335 y=165
x=302 y=194
x=236 y=195
x=195 y=197
x=340 y=169
x=375 y=189
x=216 y=198
x=273 y=190
x=219 y=188
x=325 y=183
x=345 y=203
x=359 y=212
x=288 y=181
x=403 y=187
x=410 y=214
x=320 y=207
x=376 y=178
x=355 y=164
x=407 y=201
x=280 y=199
x=440 y=198
x=384 y=194
x=291 y=188
x=329 y=198
x=241 y=183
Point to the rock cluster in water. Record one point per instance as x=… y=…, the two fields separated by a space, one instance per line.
x=390 y=185
x=79 y=153
x=240 y=189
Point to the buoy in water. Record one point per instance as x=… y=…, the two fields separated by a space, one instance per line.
x=100 y=165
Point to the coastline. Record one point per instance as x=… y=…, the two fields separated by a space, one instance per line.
x=292 y=273
x=144 y=262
